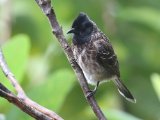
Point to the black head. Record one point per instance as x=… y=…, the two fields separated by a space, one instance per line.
x=82 y=28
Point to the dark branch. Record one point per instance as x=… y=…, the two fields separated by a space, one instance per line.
x=21 y=100
x=46 y=7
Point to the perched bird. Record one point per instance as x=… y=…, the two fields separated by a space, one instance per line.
x=95 y=55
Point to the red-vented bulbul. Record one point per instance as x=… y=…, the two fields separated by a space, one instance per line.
x=95 y=55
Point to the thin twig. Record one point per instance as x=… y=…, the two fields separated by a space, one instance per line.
x=10 y=76
x=21 y=100
x=48 y=10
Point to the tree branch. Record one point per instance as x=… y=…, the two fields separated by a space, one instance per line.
x=46 y=7
x=21 y=100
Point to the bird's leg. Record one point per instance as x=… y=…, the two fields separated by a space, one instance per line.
x=92 y=92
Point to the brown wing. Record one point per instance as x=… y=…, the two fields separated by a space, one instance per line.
x=106 y=56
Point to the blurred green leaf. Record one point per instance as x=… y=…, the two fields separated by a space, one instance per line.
x=115 y=114
x=155 y=79
x=50 y=94
x=16 y=52
x=53 y=92
x=119 y=115
x=144 y=15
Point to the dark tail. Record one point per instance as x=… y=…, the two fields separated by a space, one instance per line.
x=124 y=91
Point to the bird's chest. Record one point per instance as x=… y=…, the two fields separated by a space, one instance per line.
x=86 y=58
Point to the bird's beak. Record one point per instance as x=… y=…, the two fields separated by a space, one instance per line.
x=71 y=31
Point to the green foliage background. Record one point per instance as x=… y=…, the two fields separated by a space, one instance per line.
x=38 y=62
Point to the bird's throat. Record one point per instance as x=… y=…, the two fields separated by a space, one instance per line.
x=78 y=40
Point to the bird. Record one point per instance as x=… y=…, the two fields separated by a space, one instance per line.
x=95 y=55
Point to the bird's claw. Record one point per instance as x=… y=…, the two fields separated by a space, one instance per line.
x=91 y=93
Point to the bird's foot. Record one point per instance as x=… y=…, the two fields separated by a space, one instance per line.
x=91 y=93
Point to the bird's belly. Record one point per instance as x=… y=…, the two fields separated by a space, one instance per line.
x=93 y=72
